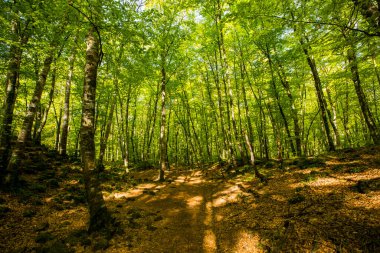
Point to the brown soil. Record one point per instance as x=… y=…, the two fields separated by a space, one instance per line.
x=328 y=206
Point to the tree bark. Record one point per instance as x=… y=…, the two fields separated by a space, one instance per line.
x=99 y=215
x=163 y=143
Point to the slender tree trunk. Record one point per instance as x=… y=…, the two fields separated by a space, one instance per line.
x=367 y=114
x=104 y=139
x=126 y=141
x=297 y=128
x=163 y=143
x=277 y=97
x=99 y=215
x=45 y=111
x=66 y=105
x=321 y=98
x=58 y=121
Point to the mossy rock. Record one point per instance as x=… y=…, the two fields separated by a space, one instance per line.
x=44 y=237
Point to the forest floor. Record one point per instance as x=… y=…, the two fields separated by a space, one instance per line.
x=329 y=203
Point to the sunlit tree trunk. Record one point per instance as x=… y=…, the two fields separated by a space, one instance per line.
x=99 y=215
x=126 y=134
x=163 y=140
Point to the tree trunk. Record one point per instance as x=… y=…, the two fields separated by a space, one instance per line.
x=163 y=143
x=45 y=111
x=104 y=139
x=368 y=117
x=66 y=106
x=126 y=141
x=26 y=130
x=99 y=215
x=12 y=84
x=321 y=98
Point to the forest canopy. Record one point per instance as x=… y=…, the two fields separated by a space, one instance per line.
x=191 y=82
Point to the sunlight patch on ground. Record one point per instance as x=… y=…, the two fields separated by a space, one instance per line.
x=370 y=201
x=209 y=242
x=247 y=242
x=321 y=182
x=194 y=201
x=146 y=186
x=229 y=195
x=279 y=198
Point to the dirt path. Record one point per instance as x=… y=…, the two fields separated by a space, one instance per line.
x=181 y=216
